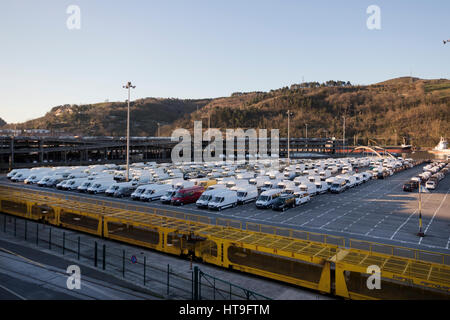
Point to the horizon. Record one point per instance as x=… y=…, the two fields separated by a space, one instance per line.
x=208 y=50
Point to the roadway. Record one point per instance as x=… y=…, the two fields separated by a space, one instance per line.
x=377 y=211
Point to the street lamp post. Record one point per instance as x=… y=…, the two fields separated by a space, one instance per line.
x=306 y=125
x=420 y=233
x=343 y=139
x=128 y=86
x=289 y=114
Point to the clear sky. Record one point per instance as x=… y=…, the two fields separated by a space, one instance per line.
x=207 y=48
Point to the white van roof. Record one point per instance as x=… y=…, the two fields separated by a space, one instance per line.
x=271 y=192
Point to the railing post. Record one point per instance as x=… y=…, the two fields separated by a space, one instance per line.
x=64 y=243
x=195 y=283
x=104 y=257
x=168 y=278
x=123 y=263
x=145 y=268
x=95 y=254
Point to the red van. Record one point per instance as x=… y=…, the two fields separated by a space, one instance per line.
x=187 y=195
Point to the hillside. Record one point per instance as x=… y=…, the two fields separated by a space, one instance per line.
x=109 y=118
x=411 y=108
x=416 y=109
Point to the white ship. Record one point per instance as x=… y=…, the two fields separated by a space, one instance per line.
x=442 y=147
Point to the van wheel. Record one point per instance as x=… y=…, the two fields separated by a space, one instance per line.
x=219 y=208
x=181 y=203
x=234 y=205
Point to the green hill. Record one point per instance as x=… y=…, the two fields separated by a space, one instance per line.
x=411 y=108
x=109 y=118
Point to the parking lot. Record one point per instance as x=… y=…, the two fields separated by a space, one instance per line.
x=377 y=211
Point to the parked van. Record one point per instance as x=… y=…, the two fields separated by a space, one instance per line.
x=155 y=191
x=301 y=198
x=321 y=187
x=338 y=186
x=206 y=196
x=50 y=181
x=61 y=184
x=324 y=174
x=187 y=195
x=21 y=175
x=35 y=177
x=270 y=184
x=120 y=189
x=216 y=187
x=266 y=198
x=100 y=186
x=309 y=188
x=167 y=197
x=136 y=195
x=259 y=181
x=73 y=184
x=223 y=200
x=351 y=181
x=246 y=194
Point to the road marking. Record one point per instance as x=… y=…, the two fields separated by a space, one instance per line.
x=432 y=218
x=410 y=216
x=12 y=292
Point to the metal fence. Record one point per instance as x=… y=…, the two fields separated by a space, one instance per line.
x=128 y=263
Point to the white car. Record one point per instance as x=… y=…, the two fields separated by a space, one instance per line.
x=301 y=198
x=430 y=185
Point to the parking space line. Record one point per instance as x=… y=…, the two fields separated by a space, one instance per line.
x=432 y=218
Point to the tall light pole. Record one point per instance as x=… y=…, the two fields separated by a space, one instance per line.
x=420 y=233
x=159 y=133
x=128 y=86
x=343 y=139
x=306 y=125
x=289 y=114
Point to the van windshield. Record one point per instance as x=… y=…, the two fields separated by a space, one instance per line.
x=242 y=194
x=180 y=194
x=218 y=199
x=205 y=197
x=335 y=185
x=139 y=191
x=263 y=198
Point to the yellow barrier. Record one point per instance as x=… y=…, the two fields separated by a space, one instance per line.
x=294 y=256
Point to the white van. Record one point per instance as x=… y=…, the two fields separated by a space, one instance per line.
x=314 y=178
x=322 y=187
x=61 y=184
x=206 y=196
x=216 y=187
x=309 y=188
x=338 y=186
x=351 y=181
x=266 y=198
x=100 y=186
x=324 y=174
x=35 y=177
x=259 y=181
x=246 y=194
x=270 y=184
x=21 y=175
x=223 y=200
x=155 y=192
x=115 y=187
x=136 y=195
x=73 y=184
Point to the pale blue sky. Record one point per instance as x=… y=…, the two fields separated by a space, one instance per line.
x=200 y=48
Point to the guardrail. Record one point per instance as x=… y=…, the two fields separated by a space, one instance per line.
x=289 y=255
